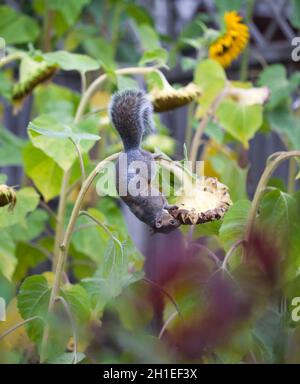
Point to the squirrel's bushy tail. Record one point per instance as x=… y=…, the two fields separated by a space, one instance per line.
x=131 y=113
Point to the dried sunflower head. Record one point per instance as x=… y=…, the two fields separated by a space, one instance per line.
x=170 y=98
x=7 y=196
x=208 y=201
x=232 y=42
x=39 y=72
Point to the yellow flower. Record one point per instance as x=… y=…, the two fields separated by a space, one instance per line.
x=229 y=46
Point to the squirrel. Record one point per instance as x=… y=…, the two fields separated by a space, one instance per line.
x=131 y=114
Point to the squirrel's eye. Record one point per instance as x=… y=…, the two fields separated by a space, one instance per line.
x=172 y=222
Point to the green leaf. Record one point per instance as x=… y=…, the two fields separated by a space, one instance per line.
x=275 y=78
x=78 y=301
x=66 y=132
x=10 y=148
x=66 y=358
x=33 y=299
x=46 y=133
x=211 y=77
x=44 y=171
x=234 y=223
x=27 y=201
x=126 y=82
x=8 y=260
x=6 y=289
x=284 y=122
x=241 y=121
x=139 y=14
x=295 y=14
x=209 y=72
x=91 y=241
x=157 y=56
x=70 y=9
x=102 y=51
x=60 y=102
x=28 y=256
x=278 y=214
x=149 y=38
x=30 y=228
x=71 y=61
x=17 y=28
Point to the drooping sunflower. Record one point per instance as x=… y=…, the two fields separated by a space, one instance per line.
x=232 y=42
x=170 y=98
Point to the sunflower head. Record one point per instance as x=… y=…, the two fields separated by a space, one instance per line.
x=41 y=72
x=207 y=201
x=232 y=42
x=170 y=98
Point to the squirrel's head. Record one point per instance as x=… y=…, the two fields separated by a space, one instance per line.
x=165 y=223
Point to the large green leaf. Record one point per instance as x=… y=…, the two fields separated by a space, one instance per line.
x=241 y=121
x=33 y=299
x=28 y=256
x=46 y=174
x=234 y=223
x=275 y=78
x=30 y=228
x=91 y=241
x=17 y=28
x=78 y=301
x=50 y=136
x=210 y=77
x=112 y=276
x=44 y=171
x=72 y=61
x=70 y=9
x=60 y=102
x=6 y=289
x=101 y=50
x=27 y=201
x=295 y=14
x=10 y=148
x=284 y=122
x=278 y=214
x=139 y=14
x=148 y=36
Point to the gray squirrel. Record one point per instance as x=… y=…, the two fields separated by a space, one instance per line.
x=131 y=113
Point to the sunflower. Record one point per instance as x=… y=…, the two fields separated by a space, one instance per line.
x=170 y=98
x=207 y=201
x=232 y=42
